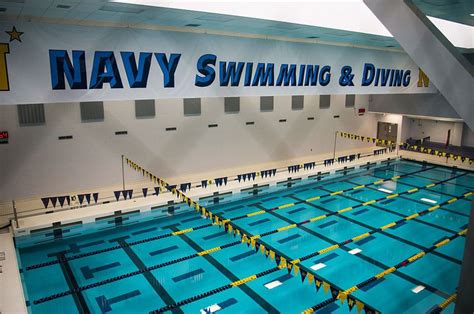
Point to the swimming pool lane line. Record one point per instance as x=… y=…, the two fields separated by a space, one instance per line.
x=440 y=307
x=154 y=283
x=227 y=273
x=344 y=294
x=264 y=247
x=71 y=281
x=290 y=264
x=163 y=236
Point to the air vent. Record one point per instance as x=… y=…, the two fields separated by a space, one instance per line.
x=266 y=103
x=390 y=46
x=31 y=115
x=121 y=9
x=63 y=6
x=92 y=111
x=121 y=132
x=171 y=129
x=14 y=1
x=192 y=25
x=324 y=101
x=336 y=117
x=212 y=126
x=282 y=120
x=250 y=123
x=3 y=9
x=310 y=118
x=312 y=37
x=65 y=137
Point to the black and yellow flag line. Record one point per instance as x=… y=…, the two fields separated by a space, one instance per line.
x=257 y=244
x=440 y=307
x=343 y=295
x=284 y=261
x=426 y=150
x=233 y=219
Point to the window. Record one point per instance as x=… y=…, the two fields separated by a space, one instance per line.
x=231 y=104
x=192 y=106
x=30 y=115
x=92 y=111
x=266 y=103
x=297 y=102
x=350 y=101
x=145 y=108
x=324 y=101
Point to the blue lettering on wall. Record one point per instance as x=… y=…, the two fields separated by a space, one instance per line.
x=263 y=75
x=231 y=73
x=105 y=70
x=204 y=67
x=325 y=75
x=168 y=67
x=61 y=67
x=137 y=76
x=368 y=74
x=287 y=76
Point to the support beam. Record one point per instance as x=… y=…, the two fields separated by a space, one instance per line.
x=446 y=68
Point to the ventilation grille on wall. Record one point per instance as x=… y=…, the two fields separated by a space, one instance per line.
x=324 y=101
x=192 y=106
x=65 y=137
x=350 y=101
x=121 y=132
x=92 y=111
x=145 y=108
x=266 y=103
x=231 y=104
x=30 y=115
x=121 y=9
x=297 y=102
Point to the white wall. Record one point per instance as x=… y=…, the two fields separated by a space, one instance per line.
x=467 y=136
x=437 y=130
x=35 y=162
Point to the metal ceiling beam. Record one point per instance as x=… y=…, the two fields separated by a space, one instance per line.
x=447 y=69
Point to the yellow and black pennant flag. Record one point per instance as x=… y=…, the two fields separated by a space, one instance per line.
x=303 y=274
x=318 y=284
x=310 y=278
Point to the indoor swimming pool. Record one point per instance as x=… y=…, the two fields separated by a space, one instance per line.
x=338 y=226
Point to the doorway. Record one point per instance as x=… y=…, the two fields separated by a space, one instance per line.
x=387 y=131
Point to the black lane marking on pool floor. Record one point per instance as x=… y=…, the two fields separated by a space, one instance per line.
x=421 y=247
x=73 y=286
x=197 y=227
x=364 y=257
x=159 y=289
x=388 y=210
x=246 y=289
x=419 y=220
x=105 y=304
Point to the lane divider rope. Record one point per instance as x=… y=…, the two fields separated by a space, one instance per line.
x=259 y=212
x=443 y=305
x=345 y=294
x=282 y=262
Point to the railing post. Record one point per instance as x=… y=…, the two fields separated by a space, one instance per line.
x=334 y=151
x=15 y=214
x=123 y=175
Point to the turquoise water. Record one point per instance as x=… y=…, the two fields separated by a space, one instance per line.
x=151 y=290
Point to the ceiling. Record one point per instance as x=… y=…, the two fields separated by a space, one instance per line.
x=103 y=11
x=135 y=16
x=452 y=10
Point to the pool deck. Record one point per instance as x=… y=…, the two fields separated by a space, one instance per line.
x=12 y=299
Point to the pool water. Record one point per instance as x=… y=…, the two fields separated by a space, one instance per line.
x=66 y=269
